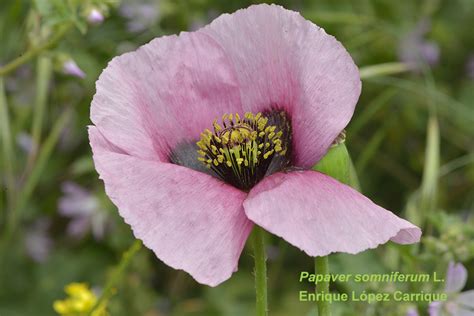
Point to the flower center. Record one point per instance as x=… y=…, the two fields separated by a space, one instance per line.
x=242 y=150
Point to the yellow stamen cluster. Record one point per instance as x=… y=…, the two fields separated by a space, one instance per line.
x=80 y=302
x=239 y=144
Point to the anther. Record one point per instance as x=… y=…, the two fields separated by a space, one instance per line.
x=240 y=148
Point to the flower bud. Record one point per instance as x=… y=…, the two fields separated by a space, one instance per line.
x=71 y=68
x=95 y=17
x=337 y=163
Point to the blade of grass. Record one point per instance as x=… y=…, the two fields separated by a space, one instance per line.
x=369 y=150
x=362 y=39
x=38 y=168
x=456 y=164
x=371 y=146
x=369 y=110
x=338 y=17
x=43 y=76
x=460 y=114
x=429 y=184
x=390 y=166
x=7 y=147
x=116 y=277
x=35 y=51
x=380 y=70
x=423 y=201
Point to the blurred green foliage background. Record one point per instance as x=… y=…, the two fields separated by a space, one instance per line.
x=411 y=140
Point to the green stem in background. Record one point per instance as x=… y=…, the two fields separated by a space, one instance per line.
x=33 y=179
x=43 y=76
x=376 y=104
x=430 y=173
x=456 y=164
x=321 y=266
x=339 y=17
x=117 y=275
x=7 y=148
x=260 y=271
x=31 y=53
x=455 y=112
x=429 y=184
x=382 y=70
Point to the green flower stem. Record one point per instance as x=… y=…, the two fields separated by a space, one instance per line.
x=337 y=163
x=385 y=69
x=260 y=271
x=35 y=51
x=7 y=148
x=321 y=267
x=117 y=275
x=33 y=179
x=43 y=76
x=429 y=182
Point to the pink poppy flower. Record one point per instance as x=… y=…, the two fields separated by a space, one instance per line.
x=192 y=194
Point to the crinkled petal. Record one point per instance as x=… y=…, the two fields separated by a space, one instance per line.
x=191 y=220
x=320 y=215
x=283 y=60
x=166 y=92
x=456 y=277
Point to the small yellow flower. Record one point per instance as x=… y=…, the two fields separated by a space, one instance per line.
x=79 y=302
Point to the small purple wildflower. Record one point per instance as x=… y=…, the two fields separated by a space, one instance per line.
x=95 y=17
x=71 y=68
x=25 y=142
x=141 y=14
x=412 y=312
x=458 y=303
x=415 y=50
x=83 y=208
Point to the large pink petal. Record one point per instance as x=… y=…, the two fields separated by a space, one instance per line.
x=191 y=221
x=320 y=215
x=166 y=92
x=284 y=60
